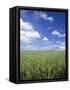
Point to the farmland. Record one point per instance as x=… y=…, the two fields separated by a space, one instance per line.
x=35 y=65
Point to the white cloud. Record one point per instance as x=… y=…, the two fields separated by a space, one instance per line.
x=24 y=39
x=45 y=39
x=59 y=46
x=62 y=35
x=49 y=45
x=43 y=16
x=46 y=17
x=27 y=32
x=58 y=42
x=25 y=25
x=56 y=33
x=30 y=34
x=50 y=19
x=30 y=47
x=62 y=46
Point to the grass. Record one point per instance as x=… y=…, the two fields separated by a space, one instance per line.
x=35 y=65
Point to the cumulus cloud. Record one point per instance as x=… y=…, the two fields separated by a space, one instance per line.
x=31 y=47
x=58 y=42
x=30 y=34
x=25 y=39
x=46 y=17
x=43 y=16
x=49 y=45
x=45 y=39
x=62 y=45
x=25 y=25
x=56 y=33
x=59 y=46
x=27 y=32
x=62 y=35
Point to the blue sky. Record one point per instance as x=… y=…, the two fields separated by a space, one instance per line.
x=42 y=30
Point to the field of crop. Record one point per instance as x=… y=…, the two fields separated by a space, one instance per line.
x=35 y=65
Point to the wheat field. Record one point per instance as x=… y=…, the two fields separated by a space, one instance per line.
x=36 y=65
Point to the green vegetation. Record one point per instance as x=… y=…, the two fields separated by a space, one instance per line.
x=35 y=65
